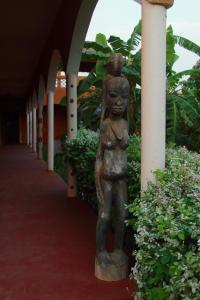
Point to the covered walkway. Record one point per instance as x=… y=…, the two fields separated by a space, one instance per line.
x=47 y=242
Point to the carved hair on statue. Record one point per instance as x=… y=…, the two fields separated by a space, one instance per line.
x=115 y=64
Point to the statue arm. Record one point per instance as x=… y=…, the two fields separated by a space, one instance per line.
x=106 y=140
x=98 y=169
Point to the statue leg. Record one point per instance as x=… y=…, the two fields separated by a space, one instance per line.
x=120 y=201
x=104 y=211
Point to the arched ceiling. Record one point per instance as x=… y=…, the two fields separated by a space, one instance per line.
x=29 y=32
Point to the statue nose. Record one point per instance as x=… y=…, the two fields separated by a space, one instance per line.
x=119 y=102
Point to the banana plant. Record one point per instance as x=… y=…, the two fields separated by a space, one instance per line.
x=182 y=104
x=100 y=50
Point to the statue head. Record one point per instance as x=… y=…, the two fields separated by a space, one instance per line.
x=116 y=96
x=115 y=89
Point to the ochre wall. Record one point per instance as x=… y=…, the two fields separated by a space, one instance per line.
x=59 y=122
x=1 y=133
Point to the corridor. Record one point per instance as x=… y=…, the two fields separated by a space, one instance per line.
x=47 y=242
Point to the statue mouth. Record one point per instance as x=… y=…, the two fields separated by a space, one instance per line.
x=117 y=109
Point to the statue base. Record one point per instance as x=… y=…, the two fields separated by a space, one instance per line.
x=116 y=271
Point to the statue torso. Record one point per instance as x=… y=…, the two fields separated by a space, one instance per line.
x=114 y=141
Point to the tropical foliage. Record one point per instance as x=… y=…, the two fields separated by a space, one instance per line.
x=183 y=110
x=99 y=51
x=183 y=105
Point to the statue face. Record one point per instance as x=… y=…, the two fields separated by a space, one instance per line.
x=117 y=95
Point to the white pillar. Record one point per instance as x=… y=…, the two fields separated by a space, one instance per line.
x=30 y=128
x=40 y=128
x=153 y=90
x=27 y=126
x=71 y=128
x=72 y=105
x=34 y=130
x=50 y=146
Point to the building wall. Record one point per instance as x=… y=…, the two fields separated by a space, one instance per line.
x=1 y=133
x=60 y=123
x=6 y=118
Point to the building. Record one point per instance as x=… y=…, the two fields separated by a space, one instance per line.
x=54 y=31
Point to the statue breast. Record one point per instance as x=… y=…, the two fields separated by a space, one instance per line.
x=114 y=141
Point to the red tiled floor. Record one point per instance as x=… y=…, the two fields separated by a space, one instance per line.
x=47 y=242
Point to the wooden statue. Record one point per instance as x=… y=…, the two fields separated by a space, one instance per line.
x=111 y=171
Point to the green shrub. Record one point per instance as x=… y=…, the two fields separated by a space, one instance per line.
x=167 y=223
x=44 y=152
x=82 y=154
x=60 y=165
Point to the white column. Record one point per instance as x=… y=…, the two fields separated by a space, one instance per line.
x=153 y=90
x=34 y=137
x=71 y=128
x=50 y=146
x=40 y=128
x=27 y=126
x=72 y=105
x=30 y=128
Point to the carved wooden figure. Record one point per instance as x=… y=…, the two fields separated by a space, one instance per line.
x=111 y=171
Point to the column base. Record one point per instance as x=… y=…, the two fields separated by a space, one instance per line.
x=71 y=183
x=71 y=191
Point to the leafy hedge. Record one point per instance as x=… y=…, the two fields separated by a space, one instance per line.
x=60 y=165
x=82 y=154
x=166 y=220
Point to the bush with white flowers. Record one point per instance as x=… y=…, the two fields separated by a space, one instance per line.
x=166 y=219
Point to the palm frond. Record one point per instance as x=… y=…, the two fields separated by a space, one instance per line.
x=187 y=44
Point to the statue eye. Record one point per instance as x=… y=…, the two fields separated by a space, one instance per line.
x=113 y=95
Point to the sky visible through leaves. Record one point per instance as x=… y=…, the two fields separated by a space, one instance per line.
x=118 y=17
